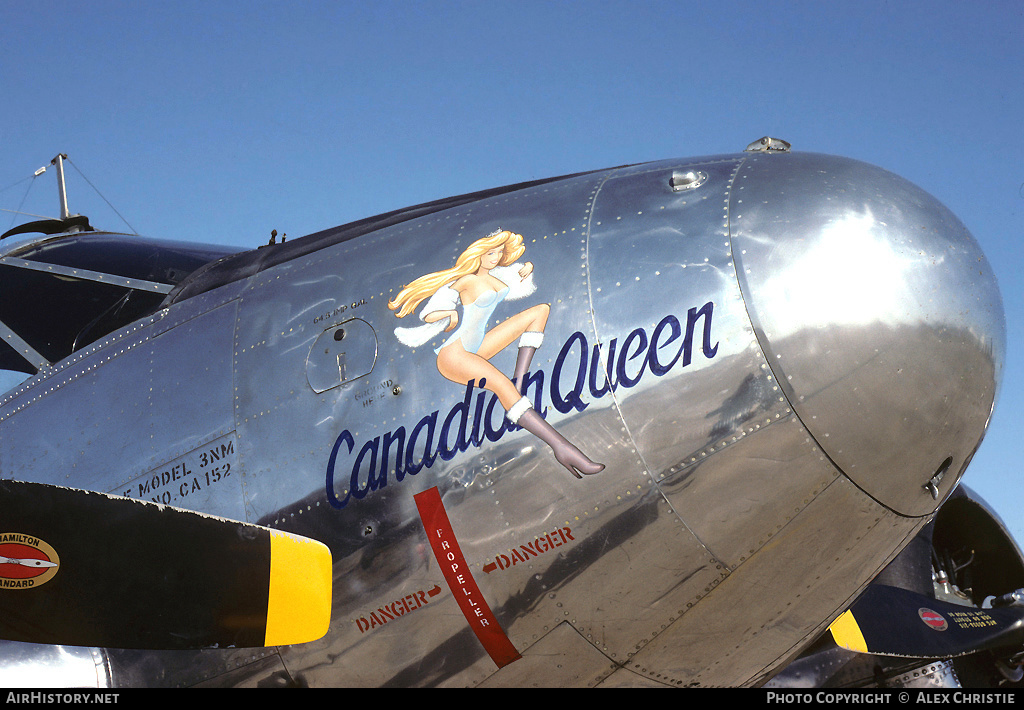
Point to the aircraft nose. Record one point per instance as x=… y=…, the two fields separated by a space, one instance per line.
x=878 y=314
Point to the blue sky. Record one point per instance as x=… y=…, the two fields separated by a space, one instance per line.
x=218 y=121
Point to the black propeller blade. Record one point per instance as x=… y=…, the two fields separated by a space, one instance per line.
x=889 y=621
x=88 y=569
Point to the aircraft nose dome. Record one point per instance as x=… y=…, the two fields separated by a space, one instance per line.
x=879 y=315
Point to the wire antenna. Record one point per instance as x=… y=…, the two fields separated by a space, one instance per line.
x=31 y=179
x=78 y=170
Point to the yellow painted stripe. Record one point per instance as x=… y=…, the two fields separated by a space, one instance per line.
x=299 y=608
x=847 y=634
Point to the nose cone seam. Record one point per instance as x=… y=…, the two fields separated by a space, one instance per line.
x=878 y=315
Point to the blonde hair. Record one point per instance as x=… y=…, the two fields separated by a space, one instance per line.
x=467 y=263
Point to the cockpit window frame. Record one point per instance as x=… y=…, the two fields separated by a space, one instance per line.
x=87 y=275
x=57 y=259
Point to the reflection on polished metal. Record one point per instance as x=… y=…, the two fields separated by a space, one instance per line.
x=768 y=144
x=688 y=180
x=882 y=334
x=784 y=361
x=29 y=665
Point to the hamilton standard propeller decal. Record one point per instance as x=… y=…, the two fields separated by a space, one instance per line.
x=932 y=619
x=26 y=561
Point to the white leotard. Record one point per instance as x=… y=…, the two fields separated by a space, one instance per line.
x=475 y=315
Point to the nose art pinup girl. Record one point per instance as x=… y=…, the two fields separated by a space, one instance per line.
x=484 y=275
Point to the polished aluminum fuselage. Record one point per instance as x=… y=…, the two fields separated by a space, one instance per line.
x=784 y=361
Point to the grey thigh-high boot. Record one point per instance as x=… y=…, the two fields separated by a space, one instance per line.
x=528 y=344
x=574 y=460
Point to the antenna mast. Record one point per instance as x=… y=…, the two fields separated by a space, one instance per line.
x=61 y=190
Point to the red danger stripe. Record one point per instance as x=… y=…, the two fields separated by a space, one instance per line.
x=460 y=580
